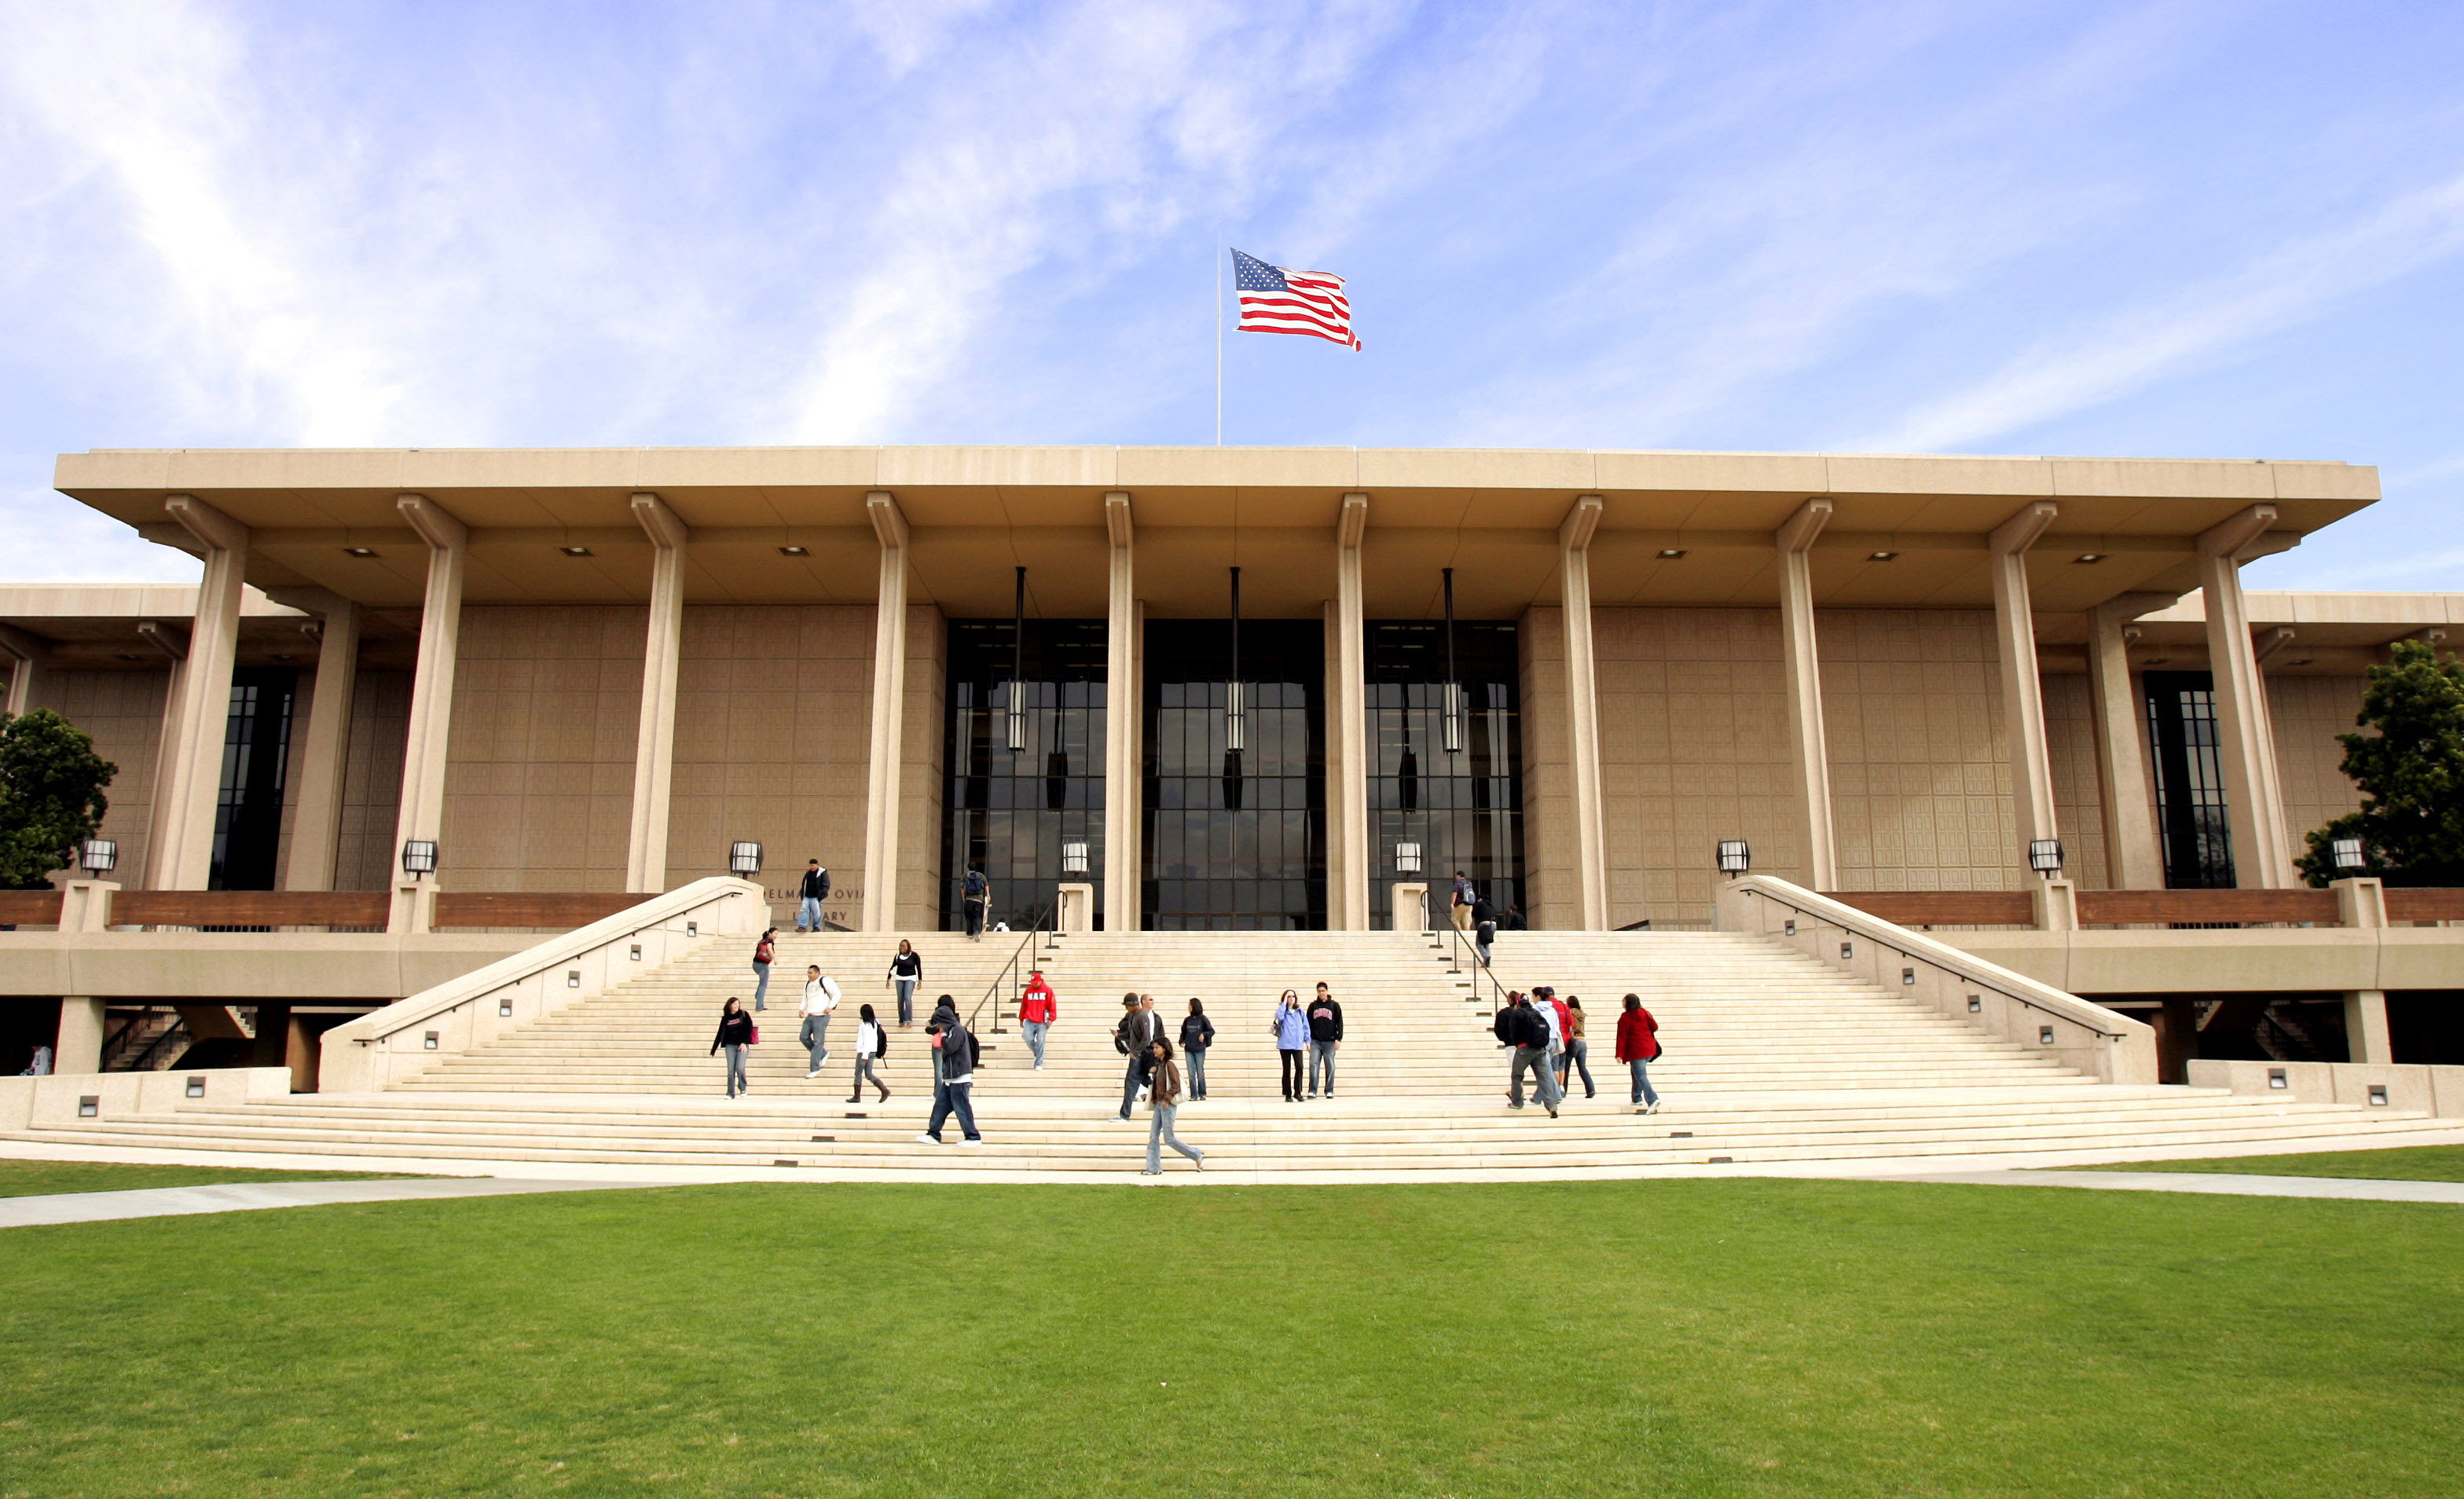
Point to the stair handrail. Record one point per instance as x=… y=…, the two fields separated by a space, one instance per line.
x=1456 y=952
x=1006 y=978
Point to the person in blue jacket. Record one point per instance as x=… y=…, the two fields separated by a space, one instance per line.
x=1291 y=1039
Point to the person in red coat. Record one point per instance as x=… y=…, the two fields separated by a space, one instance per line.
x=1637 y=1041
x=1038 y=1006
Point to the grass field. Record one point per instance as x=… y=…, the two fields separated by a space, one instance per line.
x=1717 y=1339
x=2403 y=1163
x=43 y=1178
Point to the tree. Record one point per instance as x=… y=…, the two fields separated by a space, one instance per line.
x=2410 y=773
x=50 y=796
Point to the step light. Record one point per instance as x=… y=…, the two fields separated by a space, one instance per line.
x=2275 y=1078
x=2378 y=1095
x=197 y=1087
x=1976 y=1003
x=1907 y=976
x=1788 y=928
x=573 y=978
x=1721 y=1160
x=2044 y=1035
x=428 y=1044
x=827 y=1139
x=787 y=1163
x=89 y=1106
x=637 y=952
x=1847 y=950
x=505 y=1007
x=1677 y=1134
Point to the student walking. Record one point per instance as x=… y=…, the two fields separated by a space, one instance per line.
x=735 y=1033
x=871 y=1043
x=1637 y=1041
x=1577 y=1055
x=975 y=893
x=954 y=1073
x=763 y=952
x=1140 y=1027
x=1197 y=1034
x=1519 y=1025
x=1163 y=1103
x=1325 y=1034
x=1037 y=1007
x=1290 y=1026
x=906 y=972
x=821 y=997
x=1484 y=926
x=810 y=894
x=1465 y=895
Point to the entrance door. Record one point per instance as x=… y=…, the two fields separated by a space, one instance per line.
x=2191 y=815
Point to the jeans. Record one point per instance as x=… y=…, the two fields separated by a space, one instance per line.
x=1196 y=1057
x=906 y=1002
x=864 y=1073
x=1321 y=1051
x=1291 y=1073
x=816 y=1037
x=975 y=916
x=760 y=985
x=1487 y=933
x=1129 y=1088
x=1576 y=1058
x=1642 y=1090
x=1544 y=1081
x=808 y=913
x=736 y=1081
x=1035 y=1030
x=1160 y=1134
x=949 y=1098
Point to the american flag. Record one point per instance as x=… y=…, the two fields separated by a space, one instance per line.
x=1277 y=300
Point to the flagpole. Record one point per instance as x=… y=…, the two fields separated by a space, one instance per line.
x=1218 y=354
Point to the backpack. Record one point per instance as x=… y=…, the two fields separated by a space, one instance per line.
x=975 y=884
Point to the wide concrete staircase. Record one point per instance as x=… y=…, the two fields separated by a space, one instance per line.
x=1771 y=1057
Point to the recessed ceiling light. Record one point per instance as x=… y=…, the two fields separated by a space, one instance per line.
x=1670 y=553
x=2089 y=556
x=574 y=551
x=2302 y=661
x=793 y=551
x=132 y=658
x=1882 y=557
x=286 y=658
x=361 y=551
x=2159 y=660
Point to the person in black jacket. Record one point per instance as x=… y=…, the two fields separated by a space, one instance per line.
x=1521 y=1027
x=1140 y=1027
x=1325 y=1034
x=736 y=1034
x=1484 y=925
x=1197 y=1034
x=974 y=895
x=810 y=894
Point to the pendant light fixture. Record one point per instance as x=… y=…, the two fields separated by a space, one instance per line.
x=1235 y=717
x=1017 y=669
x=1451 y=716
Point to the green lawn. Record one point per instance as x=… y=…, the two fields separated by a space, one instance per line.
x=43 y=1178
x=2404 y=1163
x=1735 y=1338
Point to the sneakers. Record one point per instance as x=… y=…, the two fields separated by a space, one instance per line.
x=928 y=1140
x=1200 y=1163
x=812 y=1072
x=826 y=1056
x=1039 y=1066
x=1552 y=1110
x=973 y=1139
x=1652 y=1107
x=1158 y=1171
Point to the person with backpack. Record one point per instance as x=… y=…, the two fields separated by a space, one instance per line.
x=736 y=1034
x=1290 y=1026
x=821 y=998
x=1637 y=1041
x=1325 y=1034
x=871 y=1045
x=1519 y=1025
x=1197 y=1034
x=1037 y=1007
x=954 y=1071
x=1576 y=1058
x=975 y=893
x=763 y=952
x=1484 y=926
x=1140 y=1027
x=810 y=894
x=1465 y=895
x=1163 y=1104
x=906 y=972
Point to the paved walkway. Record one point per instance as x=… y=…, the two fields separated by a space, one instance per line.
x=2221 y=1183
x=234 y=1197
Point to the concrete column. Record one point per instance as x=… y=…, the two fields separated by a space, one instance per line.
x=2365 y=1027
x=422 y=814
x=27 y=653
x=654 y=741
x=77 y=1046
x=186 y=798
x=1582 y=712
x=2023 y=692
x=2254 y=798
x=1347 y=731
x=2133 y=858
x=889 y=715
x=1124 y=706
x=1812 y=750
x=317 y=826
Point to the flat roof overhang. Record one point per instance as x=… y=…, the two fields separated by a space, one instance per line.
x=977 y=511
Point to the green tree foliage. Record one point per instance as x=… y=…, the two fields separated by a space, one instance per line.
x=51 y=795
x=2411 y=772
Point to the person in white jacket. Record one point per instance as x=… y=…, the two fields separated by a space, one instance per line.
x=821 y=997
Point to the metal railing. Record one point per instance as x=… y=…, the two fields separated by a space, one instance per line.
x=1038 y=938
x=1457 y=950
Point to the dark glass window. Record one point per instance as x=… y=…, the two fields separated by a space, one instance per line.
x=1464 y=806
x=1011 y=812
x=256 y=750
x=2191 y=815
x=1235 y=841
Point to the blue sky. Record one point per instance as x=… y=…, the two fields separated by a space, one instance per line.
x=2199 y=230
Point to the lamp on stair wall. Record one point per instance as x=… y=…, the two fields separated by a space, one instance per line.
x=99 y=857
x=744 y=858
x=2346 y=852
x=418 y=857
x=2045 y=856
x=1736 y=858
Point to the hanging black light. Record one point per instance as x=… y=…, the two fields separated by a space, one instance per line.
x=1451 y=714
x=1017 y=669
x=1236 y=720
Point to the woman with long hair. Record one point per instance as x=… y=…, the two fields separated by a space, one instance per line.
x=870 y=1044
x=736 y=1034
x=1197 y=1034
x=1163 y=1099
x=906 y=972
x=1637 y=1041
x=1291 y=1039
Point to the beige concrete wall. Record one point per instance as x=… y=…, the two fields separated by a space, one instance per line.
x=1920 y=767
x=773 y=712
x=921 y=784
x=2309 y=711
x=365 y=856
x=538 y=780
x=1694 y=748
x=2079 y=794
x=1549 y=899
x=124 y=712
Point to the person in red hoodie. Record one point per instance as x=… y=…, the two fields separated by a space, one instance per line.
x=1037 y=1006
x=1637 y=1041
